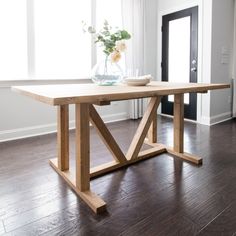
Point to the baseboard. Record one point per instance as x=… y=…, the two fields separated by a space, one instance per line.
x=8 y=135
x=208 y=120
x=169 y=116
x=26 y=132
x=213 y=120
x=115 y=117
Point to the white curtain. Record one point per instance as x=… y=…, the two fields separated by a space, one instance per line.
x=234 y=64
x=133 y=16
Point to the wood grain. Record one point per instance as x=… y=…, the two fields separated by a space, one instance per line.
x=185 y=156
x=94 y=94
x=224 y=224
x=102 y=103
x=152 y=132
x=82 y=147
x=106 y=136
x=143 y=128
x=179 y=123
x=93 y=201
x=35 y=201
x=63 y=137
x=113 y=165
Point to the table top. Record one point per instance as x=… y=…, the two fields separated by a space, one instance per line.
x=91 y=93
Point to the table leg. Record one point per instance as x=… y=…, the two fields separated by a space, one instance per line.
x=80 y=182
x=82 y=179
x=179 y=123
x=82 y=147
x=152 y=132
x=63 y=137
x=178 y=149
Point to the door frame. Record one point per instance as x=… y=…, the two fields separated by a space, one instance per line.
x=190 y=111
x=170 y=10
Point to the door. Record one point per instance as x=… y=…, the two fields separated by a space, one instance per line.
x=179 y=56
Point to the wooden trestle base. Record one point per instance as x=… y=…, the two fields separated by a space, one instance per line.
x=95 y=202
x=90 y=198
x=79 y=181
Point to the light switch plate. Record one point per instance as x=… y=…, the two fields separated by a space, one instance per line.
x=224 y=59
x=224 y=50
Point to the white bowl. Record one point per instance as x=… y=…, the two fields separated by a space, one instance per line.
x=136 y=82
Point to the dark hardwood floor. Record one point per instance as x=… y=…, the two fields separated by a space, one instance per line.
x=159 y=196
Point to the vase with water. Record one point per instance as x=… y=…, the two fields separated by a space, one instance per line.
x=106 y=72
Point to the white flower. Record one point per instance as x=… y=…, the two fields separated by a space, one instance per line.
x=115 y=56
x=120 y=45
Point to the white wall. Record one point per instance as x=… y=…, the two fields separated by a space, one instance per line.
x=151 y=38
x=23 y=117
x=222 y=49
x=215 y=30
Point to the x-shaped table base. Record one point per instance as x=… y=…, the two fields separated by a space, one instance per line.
x=146 y=133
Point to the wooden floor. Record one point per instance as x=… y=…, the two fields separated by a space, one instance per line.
x=160 y=196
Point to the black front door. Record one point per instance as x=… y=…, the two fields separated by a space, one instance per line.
x=179 y=56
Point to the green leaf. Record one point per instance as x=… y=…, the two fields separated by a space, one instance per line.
x=125 y=34
x=109 y=44
x=106 y=52
x=105 y=33
x=114 y=37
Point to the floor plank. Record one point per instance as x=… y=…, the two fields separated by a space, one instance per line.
x=224 y=224
x=155 y=225
x=160 y=196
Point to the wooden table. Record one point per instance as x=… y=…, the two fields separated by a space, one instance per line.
x=84 y=96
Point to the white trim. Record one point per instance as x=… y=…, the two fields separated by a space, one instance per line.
x=209 y=121
x=233 y=99
x=205 y=120
x=9 y=135
x=169 y=116
x=213 y=120
x=9 y=83
x=234 y=45
x=30 y=38
x=180 y=7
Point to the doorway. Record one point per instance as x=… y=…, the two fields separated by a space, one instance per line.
x=179 y=56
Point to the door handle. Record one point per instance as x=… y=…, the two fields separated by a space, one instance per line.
x=194 y=69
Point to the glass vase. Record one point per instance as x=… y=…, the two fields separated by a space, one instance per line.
x=106 y=72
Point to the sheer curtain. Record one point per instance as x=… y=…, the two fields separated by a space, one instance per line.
x=133 y=17
x=234 y=64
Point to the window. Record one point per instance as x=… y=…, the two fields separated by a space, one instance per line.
x=62 y=50
x=13 y=40
x=43 y=39
x=110 y=11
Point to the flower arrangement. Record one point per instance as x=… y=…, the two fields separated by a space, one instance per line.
x=112 y=41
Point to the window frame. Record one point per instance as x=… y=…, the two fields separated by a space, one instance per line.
x=31 y=77
x=31 y=57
